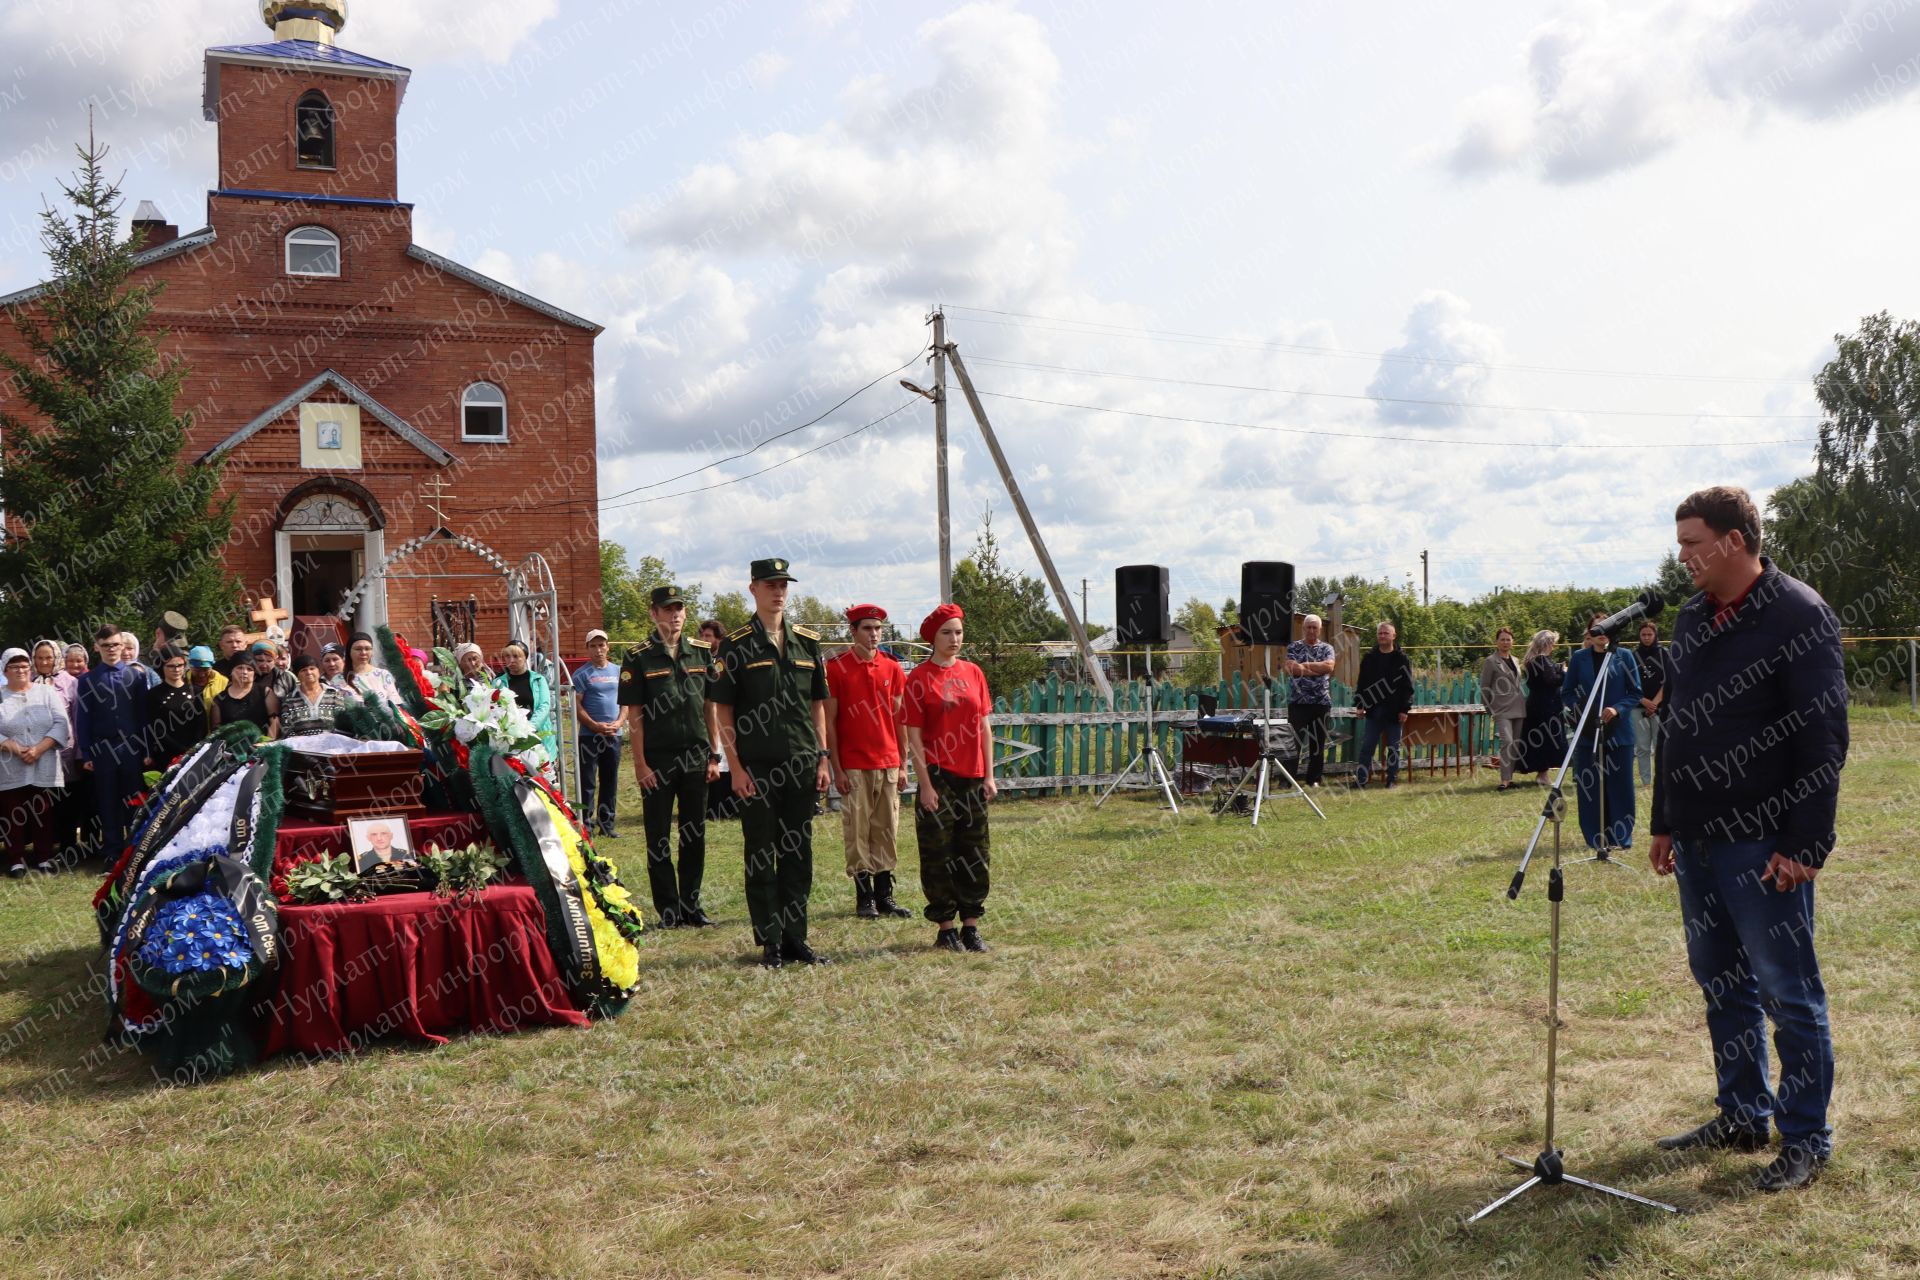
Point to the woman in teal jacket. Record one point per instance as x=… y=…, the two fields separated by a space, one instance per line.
x=534 y=694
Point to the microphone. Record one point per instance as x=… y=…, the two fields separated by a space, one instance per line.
x=1647 y=604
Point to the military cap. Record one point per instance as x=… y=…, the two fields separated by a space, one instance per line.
x=771 y=570
x=667 y=595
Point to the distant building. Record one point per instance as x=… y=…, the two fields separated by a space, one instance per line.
x=344 y=369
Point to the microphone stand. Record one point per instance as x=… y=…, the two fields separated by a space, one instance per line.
x=1549 y=1167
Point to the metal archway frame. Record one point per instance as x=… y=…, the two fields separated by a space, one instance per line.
x=533 y=617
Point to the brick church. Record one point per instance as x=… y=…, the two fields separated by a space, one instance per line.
x=365 y=391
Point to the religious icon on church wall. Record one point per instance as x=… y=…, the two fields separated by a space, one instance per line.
x=379 y=842
x=328 y=435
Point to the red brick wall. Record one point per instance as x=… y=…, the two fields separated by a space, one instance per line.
x=413 y=338
x=256 y=110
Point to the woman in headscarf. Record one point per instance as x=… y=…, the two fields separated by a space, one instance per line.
x=946 y=708
x=33 y=728
x=535 y=696
x=49 y=669
x=1545 y=742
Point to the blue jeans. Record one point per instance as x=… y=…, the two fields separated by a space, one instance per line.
x=1751 y=950
x=1619 y=788
x=1646 y=733
x=599 y=774
x=1381 y=723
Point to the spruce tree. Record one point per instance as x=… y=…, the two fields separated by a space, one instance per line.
x=106 y=521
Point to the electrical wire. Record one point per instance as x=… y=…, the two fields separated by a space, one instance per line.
x=734 y=457
x=668 y=497
x=1100 y=328
x=1361 y=435
x=1440 y=404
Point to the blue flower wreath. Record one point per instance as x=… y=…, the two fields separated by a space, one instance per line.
x=197 y=935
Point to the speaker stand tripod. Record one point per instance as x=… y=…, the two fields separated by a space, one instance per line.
x=1548 y=1168
x=1147 y=759
x=1261 y=771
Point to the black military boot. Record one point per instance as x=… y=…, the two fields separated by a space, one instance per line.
x=863 y=893
x=883 y=896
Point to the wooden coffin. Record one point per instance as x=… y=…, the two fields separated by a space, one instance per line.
x=334 y=787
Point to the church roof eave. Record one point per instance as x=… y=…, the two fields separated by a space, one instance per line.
x=301 y=54
x=146 y=257
x=506 y=291
x=387 y=417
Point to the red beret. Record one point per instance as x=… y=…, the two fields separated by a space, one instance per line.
x=939 y=618
x=861 y=612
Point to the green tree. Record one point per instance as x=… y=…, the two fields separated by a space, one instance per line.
x=1201 y=667
x=109 y=523
x=813 y=611
x=626 y=592
x=1006 y=615
x=732 y=608
x=1849 y=529
x=1672 y=580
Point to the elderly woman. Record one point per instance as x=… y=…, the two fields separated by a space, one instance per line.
x=333 y=669
x=33 y=728
x=314 y=703
x=73 y=822
x=946 y=707
x=472 y=663
x=1544 y=743
x=245 y=698
x=531 y=690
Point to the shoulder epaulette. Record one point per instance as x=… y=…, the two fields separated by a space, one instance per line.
x=740 y=633
x=808 y=632
x=700 y=644
x=634 y=652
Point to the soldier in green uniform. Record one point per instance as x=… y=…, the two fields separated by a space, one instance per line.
x=769 y=689
x=664 y=685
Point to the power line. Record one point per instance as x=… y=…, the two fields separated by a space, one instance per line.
x=734 y=457
x=1441 y=404
x=668 y=497
x=1358 y=435
x=1100 y=328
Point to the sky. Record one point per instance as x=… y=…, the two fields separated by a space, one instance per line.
x=1315 y=282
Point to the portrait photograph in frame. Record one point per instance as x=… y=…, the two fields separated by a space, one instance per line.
x=380 y=841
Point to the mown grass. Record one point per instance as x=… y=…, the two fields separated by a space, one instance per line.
x=1196 y=1050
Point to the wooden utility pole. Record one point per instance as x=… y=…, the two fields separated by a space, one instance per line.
x=940 y=452
x=1424 y=597
x=1060 y=595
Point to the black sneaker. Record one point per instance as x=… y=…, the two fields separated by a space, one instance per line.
x=970 y=939
x=948 y=940
x=1796 y=1166
x=1717 y=1134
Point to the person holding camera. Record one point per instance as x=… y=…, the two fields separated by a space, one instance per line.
x=1604 y=775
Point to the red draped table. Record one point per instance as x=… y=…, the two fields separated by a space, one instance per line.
x=408 y=965
x=414 y=966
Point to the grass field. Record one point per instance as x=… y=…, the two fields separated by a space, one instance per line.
x=1196 y=1050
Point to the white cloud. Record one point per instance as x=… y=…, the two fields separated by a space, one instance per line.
x=1609 y=88
x=766 y=67
x=1444 y=358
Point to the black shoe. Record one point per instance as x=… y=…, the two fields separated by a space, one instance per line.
x=609 y=833
x=948 y=940
x=1795 y=1167
x=801 y=953
x=695 y=918
x=970 y=939
x=770 y=957
x=669 y=919
x=883 y=897
x=1717 y=1134
x=863 y=897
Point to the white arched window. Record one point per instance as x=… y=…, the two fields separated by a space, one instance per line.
x=313 y=251
x=483 y=412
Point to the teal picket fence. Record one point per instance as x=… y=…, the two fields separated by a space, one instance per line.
x=1072 y=737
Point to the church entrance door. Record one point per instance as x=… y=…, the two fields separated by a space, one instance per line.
x=323 y=546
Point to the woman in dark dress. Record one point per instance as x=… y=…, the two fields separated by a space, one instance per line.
x=244 y=698
x=1544 y=744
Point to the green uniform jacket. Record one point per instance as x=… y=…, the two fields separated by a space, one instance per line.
x=771 y=693
x=671 y=692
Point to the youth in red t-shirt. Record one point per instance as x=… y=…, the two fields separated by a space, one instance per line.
x=947 y=705
x=864 y=696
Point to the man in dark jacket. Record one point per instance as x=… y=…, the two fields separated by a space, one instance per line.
x=1383 y=696
x=110 y=734
x=1603 y=778
x=1754 y=736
